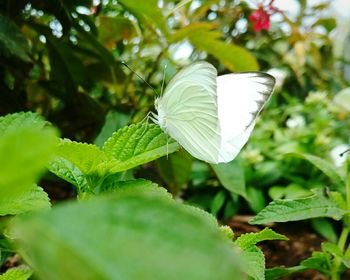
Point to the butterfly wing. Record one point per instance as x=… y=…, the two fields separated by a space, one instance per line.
x=241 y=97
x=188 y=111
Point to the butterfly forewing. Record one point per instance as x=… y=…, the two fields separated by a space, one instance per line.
x=241 y=97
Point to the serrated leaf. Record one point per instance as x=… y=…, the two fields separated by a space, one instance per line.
x=19 y=120
x=279 y=272
x=138 y=144
x=249 y=239
x=138 y=186
x=81 y=164
x=254 y=263
x=203 y=37
x=327 y=168
x=31 y=200
x=285 y=210
x=231 y=176
x=12 y=41
x=17 y=273
x=159 y=237
x=22 y=162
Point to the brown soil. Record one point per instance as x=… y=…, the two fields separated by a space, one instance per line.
x=302 y=242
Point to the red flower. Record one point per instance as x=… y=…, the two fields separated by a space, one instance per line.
x=260 y=19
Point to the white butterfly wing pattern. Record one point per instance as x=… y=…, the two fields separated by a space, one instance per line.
x=212 y=117
x=241 y=97
x=188 y=111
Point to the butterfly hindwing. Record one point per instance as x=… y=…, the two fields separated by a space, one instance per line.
x=188 y=111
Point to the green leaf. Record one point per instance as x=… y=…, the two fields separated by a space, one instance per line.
x=319 y=261
x=114 y=29
x=17 y=273
x=286 y=210
x=12 y=41
x=175 y=170
x=101 y=238
x=202 y=36
x=138 y=186
x=31 y=200
x=148 y=12
x=138 y=144
x=22 y=162
x=81 y=164
x=114 y=121
x=19 y=120
x=255 y=199
x=325 y=228
x=217 y=202
x=279 y=272
x=254 y=263
x=231 y=176
x=332 y=249
x=66 y=67
x=327 y=168
x=249 y=239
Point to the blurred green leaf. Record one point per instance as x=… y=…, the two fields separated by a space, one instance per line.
x=66 y=67
x=319 y=261
x=12 y=41
x=328 y=23
x=24 y=151
x=175 y=169
x=148 y=12
x=325 y=228
x=279 y=272
x=324 y=166
x=114 y=29
x=31 y=200
x=285 y=210
x=202 y=36
x=114 y=121
x=217 y=202
x=255 y=199
x=231 y=176
x=17 y=273
x=138 y=144
x=160 y=238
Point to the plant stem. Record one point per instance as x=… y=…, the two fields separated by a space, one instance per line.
x=345 y=231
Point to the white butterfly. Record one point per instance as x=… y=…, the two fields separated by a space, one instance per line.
x=212 y=117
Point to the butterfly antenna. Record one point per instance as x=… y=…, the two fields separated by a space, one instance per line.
x=127 y=66
x=343 y=153
x=164 y=71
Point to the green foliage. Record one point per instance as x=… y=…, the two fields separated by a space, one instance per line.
x=253 y=256
x=284 y=210
x=126 y=229
x=325 y=167
x=22 y=162
x=17 y=273
x=249 y=239
x=231 y=176
x=138 y=144
x=12 y=41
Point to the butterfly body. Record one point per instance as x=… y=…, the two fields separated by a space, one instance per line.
x=203 y=112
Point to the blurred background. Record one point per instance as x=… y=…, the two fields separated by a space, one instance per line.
x=64 y=60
